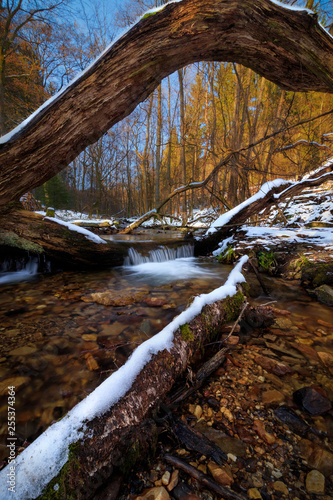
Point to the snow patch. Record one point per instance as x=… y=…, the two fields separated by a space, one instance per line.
x=225 y=218
x=88 y=234
x=43 y=459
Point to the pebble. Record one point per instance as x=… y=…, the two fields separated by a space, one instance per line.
x=198 y=411
x=157 y=493
x=23 y=351
x=315 y=482
x=254 y=494
x=173 y=480
x=16 y=382
x=91 y=363
x=281 y=486
x=166 y=478
x=272 y=397
x=89 y=337
x=222 y=475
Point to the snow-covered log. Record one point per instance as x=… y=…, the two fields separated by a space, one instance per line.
x=286 y=45
x=111 y=428
x=269 y=195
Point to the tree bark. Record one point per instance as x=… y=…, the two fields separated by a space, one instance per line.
x=288 y=47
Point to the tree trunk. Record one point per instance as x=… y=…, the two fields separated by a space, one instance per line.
x=288 y=47
x=115 y=440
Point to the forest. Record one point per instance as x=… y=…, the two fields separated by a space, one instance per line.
x=177 y=136
x=166 y=249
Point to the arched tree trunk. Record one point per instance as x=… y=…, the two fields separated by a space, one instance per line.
x=286 y=46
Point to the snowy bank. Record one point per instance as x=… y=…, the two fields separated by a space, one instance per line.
x=43 y=459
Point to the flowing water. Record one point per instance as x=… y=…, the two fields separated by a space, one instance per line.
x=62 y=335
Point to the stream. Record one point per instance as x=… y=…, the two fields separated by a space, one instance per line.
x=63 y=334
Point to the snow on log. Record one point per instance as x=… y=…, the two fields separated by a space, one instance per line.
x=285 y=45
x=270 y=194
x=108 y=429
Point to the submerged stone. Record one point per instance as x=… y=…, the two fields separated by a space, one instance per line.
x=312 y=401
x=324 y=294
x=315 y=482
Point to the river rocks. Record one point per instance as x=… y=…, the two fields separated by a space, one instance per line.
x=324 y=294
x=23 y=351
x=315 y=482
x=173 y=480
x=282 y=323
x=118 y=297
x=16 y=382
x=155 y=301
x=113 y=329
x=254 y=494
x=307 y=351
x=222 y=475
x=315 y=456
x=166 y=478
x=273 y=366
x=157 y=493
x=312 y=401
x=91 y=362
x=281 y=487
x=259 y=427
x=326 y=358
x=272 y=397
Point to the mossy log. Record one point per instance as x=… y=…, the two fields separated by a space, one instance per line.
x=127 y=432
x=286 y=46
x=29 y=232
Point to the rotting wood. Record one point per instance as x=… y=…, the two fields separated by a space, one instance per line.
x=288 y=47
x=119 y=437
x=224 y=492
x=203 y=373
x=196 y=441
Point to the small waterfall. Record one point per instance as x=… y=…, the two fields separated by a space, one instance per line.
x=18 y=270
x=161 y=254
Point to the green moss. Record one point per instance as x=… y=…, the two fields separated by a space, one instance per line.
x=273 y=25
x=186 y=332
x=143 y=68
x=149 y=14
x=316 y=274
x=57 y=489
x=232 y=306
x=13 y=240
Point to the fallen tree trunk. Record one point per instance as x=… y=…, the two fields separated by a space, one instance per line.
x=123 y=432
x=236 y=217
x=286 y=46
x=28 y=232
